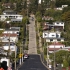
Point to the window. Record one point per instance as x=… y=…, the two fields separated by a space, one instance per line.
x=57 y=36
x=61 y=23
x=45 y=34
x=57 y=23
x=6 y=16
x=58 y=39
x=51 y=39
x=52 y=35
x=60 y=47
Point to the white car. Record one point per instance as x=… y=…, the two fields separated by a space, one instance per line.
x=25 y=56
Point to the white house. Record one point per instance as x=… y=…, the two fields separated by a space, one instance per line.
x=54 y=39
x=6 y=60
x=6 y=36
x=59 y=23
x=52 y=36
x=11 y=31
x=55 y=47
x=12 y=47
x=15 y=16
x=7 y=12
x=63 y=6
x=39 y=1
x=67 y=47
x=10 y=14
x=47 y=34
x=56 y=26
x=15 y=28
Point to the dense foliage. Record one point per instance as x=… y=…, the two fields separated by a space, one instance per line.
x=62 y=56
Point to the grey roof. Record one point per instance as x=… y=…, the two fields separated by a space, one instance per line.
x=16 y=20
x=9 y=12
x=15 y=28
x=11 y=29
x=53 y=38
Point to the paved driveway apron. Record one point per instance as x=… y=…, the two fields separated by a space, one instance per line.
x=32 y=38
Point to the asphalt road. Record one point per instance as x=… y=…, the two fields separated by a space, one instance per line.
x=33 y=63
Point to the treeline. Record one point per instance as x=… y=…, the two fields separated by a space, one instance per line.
x=59 y=3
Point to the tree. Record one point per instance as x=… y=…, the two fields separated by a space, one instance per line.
x=19 y=5
x=33 y=6
x=38 y=16
x=59 y=3
x=65 y=63
x=60 y=56
x=66 y=9
x=66 y=16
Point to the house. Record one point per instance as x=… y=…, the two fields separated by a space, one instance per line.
x=2 y=51
x=47 y=18
x=10 y=46
x=7 y=5
x=15 y=28
x=9 y=12
x=59 y=8
x=5 y=61
x=67 y=47
x=16 y=20
x=12 y=30
x=13 y=16
x=53 y=36
x=55 y=47
x=47 y=26
x=57 y=26
x=7 y=37
x=10 y=15
x=63 y=6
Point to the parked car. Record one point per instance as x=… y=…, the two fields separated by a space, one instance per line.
x=25 y=56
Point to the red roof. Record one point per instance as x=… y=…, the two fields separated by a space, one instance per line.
x=11 y=35
x=52 y=49
x=57 y=43
x=55 y=49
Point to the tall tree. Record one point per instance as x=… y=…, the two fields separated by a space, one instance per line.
x=33 y=6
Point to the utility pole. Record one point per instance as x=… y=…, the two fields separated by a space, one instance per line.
x=43 y=49
x=47 y=54
x=20 y=55
x=54 y=56
x=15 y=57
x=9 y=50
x=22 y=52
x=26 y=26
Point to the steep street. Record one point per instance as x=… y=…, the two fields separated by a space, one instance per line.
x=34 y=61
x=32 y=37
